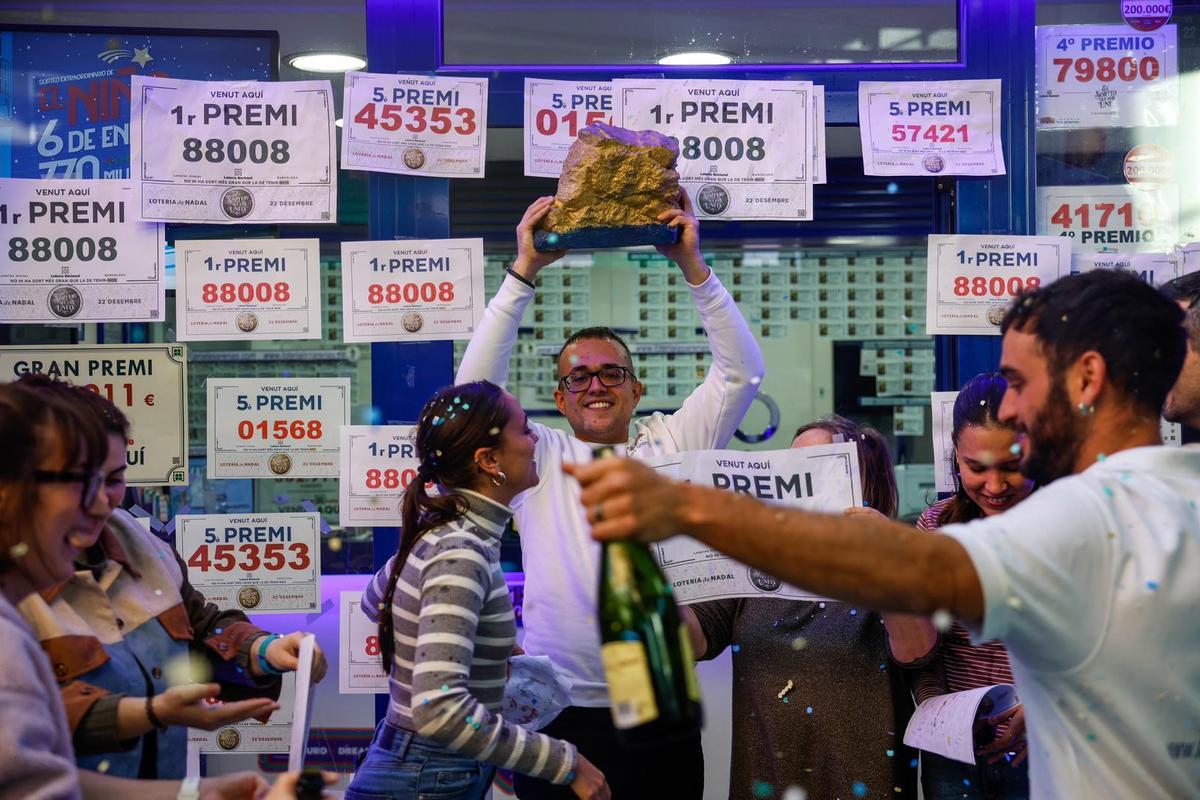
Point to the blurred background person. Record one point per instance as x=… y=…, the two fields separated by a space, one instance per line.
x=840 y=727
x=1183 y=401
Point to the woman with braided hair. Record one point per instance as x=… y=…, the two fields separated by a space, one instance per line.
x=446 y=624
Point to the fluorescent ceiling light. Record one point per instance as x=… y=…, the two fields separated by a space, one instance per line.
x=694 y=58
x=325 y=62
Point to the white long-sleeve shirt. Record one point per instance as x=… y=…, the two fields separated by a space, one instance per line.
x=561 y=561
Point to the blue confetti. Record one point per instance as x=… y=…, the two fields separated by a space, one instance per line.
x=445 y=688
x=808 y=710
x=1152 y=585
x=786 y=699
x=883 y=666
x=466 y=406
x=890 y=752
x=217 y=631
x=966 y=781
x=1101 y=457
x=1108 y=491
x=859 y=788
x=1015 y=449
x=854 y=612
x=762 y=789
x=914 y=763
x=736 y=648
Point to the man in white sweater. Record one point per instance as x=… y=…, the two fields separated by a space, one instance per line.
x=598 y=393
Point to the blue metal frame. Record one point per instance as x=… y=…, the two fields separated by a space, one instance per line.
x=996 y=40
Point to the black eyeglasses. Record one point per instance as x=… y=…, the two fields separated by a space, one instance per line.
x=91 y=483
x=609 y=376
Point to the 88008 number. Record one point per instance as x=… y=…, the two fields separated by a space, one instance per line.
x=63 y=248
x=215 y=151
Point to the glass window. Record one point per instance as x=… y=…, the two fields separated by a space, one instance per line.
x=567 y=32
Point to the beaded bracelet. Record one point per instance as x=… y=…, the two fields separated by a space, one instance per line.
x=150 y=715
x=263 y=664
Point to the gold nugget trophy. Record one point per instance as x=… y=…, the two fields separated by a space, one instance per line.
x=614 y=184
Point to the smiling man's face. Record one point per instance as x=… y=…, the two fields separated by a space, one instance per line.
x=599 y=413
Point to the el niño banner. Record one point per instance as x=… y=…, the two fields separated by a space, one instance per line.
x=65 y=112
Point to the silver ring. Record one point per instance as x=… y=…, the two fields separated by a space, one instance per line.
x=598 y=512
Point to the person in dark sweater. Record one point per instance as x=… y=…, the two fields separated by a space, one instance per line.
x=837 y=731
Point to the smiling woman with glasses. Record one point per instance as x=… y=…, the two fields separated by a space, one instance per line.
x=91 y=482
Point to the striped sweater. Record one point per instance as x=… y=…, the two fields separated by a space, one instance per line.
x=454 y=632
x=956 y=664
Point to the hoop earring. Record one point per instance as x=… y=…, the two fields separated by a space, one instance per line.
x=499 y=479
x=1086 y=410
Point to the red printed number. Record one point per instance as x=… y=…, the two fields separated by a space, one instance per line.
x=372 y=648
x=249 y=557
x=280 y=429
x=547 y=121
x=409 y=293
x=1065 y=215
x=929 y=133
x=390 y=478
x=211 y=293
x=416 y=119
x=995 y=287
x=1108 y=69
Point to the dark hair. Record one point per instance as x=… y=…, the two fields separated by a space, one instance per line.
x=597 y=332
x=31 y=422
x=110 y=417
x=977 y=404
x=1185 y=290
x=874 y=460
x=1133 y=326
x=456 y=422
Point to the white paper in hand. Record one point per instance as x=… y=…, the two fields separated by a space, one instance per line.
x=945 y=724
x=302 y=712
x=535 y=693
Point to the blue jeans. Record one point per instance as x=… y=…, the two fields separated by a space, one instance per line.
x=944 y=778
x=400 y=764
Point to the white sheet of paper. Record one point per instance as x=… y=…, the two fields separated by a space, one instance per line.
x=1114 y=218
x=359 y=668
x=1106 y=76
x=555 y=112
x=378 y=463
x=242 y=289
x=930 y=127
x=823 y=478
x=148 y=382
x=972 y=279
x=745 y=146
x=233 y=152
x=412 y=290
x=943 y=447
x=75 y=251
x=302 y=706
x=251 y=736
x=433 y=126
x=945 y=724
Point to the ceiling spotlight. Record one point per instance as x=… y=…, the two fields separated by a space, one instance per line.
x=695 y=59
x=326 y=62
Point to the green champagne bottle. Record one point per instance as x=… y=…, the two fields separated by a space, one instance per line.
x=645 y=647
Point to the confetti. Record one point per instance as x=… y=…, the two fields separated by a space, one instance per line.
x=854 y=612
x=786 y=689
x=335 y=543
x=808 y=710
x=890 y=752
x=763 y=790
x=1108 y=491
x=186 y=669
x=1014 y=601
x=736 y=648
x=158 y=592
x=19 y=549
x=942 y=620
x=859 y=788
x=794 y=793
x=1152 y=585
x=756 y=380
x=1015 y=449
x=103 y=766
x=820 y=605
x=799 y=643
x=914 y=763
x=1101 y=457
x=494 y=431
x=883 y=666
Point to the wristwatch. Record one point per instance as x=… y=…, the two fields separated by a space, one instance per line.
x=189 y=789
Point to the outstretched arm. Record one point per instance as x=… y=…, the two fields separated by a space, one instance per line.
x=876 y=563
x=490 y=349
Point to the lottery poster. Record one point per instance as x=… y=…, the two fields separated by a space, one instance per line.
x=378 y=464
x=276 y=427
x=931 y=128
x=252 y=736
x=244 y=289
x=66 y=97
x=1106 y=76
x=412 y=290
x=234 y=152
x=1154 y=268
x=555 y=112
x=943 y=445
x=360 y=669
x=745 y=147
x=75 y=251
x=148 y=382
x=415 y=124
x=1113 y=218
x=260 y=563
x=971 y=280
